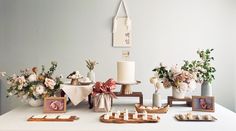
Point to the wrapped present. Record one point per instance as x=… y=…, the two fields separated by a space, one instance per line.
x=102 y=102
x=103 y=95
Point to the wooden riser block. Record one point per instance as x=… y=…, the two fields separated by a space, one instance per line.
x=188 y=100
x=134 y=94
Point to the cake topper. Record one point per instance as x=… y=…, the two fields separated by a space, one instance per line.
x=125 y=54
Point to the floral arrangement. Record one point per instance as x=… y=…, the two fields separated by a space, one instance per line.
x=175 y=77
x=31 y=84
x=91 y=64
x=105 y=87
x=205 y=71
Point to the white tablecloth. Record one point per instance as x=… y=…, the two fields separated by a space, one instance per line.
x=77 y=93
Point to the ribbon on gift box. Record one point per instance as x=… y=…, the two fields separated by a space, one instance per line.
x=105 y=87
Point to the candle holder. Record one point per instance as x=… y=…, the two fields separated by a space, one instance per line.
x=126 y=87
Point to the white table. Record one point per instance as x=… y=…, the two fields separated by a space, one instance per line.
x=15 y=120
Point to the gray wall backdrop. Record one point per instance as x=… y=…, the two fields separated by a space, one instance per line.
x=34 y=32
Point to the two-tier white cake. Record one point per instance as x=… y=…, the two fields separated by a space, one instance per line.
x=126 y=72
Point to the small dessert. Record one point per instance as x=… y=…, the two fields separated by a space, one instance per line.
x=149 y=108
x=64 y=117
x=135 y=115
x=118 y=112
x=142 y=107
x=126 y=111
x=74 y=75
x=39 y=116
x=208 y=117
x=51 y=116
x=181 y=116
x=109 y=113
x=84 y=80
x=189 y=116
x=155 y=108
x=144 y=115
x=117 y=116
x=154 y=116
x=126 y=116
x=199 y=117
x=106 y=117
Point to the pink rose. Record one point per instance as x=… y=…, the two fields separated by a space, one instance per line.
x=56 y=105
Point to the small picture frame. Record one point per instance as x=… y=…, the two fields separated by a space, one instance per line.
x=203 y=103
x=54 y=105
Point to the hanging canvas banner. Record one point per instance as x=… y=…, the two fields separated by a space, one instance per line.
x=121 y=36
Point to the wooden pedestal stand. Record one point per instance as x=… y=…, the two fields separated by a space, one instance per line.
x=126 y=91
x=188 y=100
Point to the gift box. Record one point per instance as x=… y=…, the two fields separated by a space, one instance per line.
x=103 y=95
x=102 y=102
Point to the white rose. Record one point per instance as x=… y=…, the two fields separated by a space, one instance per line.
x=10 y=94
x=153 y=80
x=32 y=77
x=50 y=83
x=3 y=73
x=20 y=87
x=175 y=69
x=35 y=94
x=21 y=80
x=40 y=89
x=158 y=85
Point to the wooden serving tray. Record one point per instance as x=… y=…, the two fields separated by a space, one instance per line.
x=203 y=118
x=71 y=119
x=121 y=120
x=163 y=109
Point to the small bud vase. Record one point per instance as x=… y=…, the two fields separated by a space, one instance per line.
x=156 y=99
x=91 y=76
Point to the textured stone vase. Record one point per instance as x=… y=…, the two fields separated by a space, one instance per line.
x=156 y=99
x=35 y=103
x=206 y=89
x=177 y=93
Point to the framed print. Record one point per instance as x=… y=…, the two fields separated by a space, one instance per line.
x=203 y=103
x=54 y=105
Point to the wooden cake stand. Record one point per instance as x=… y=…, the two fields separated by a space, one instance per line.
x=126 y=91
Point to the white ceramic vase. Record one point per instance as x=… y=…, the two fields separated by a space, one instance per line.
x=206 y=89
x=178 y=93
x=35 y=103
x=156 y=99
x=91 y=76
